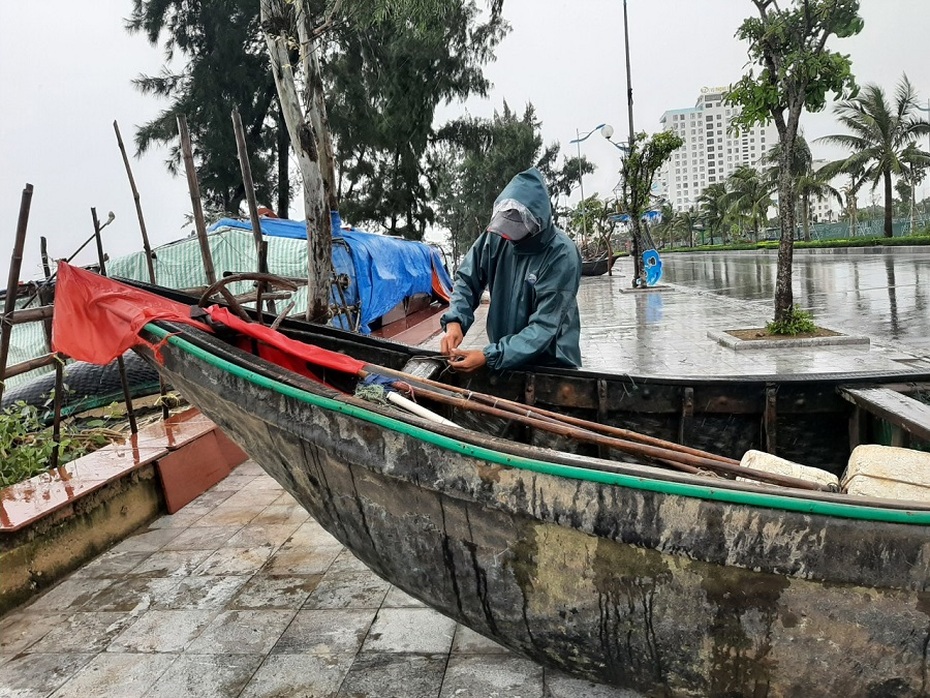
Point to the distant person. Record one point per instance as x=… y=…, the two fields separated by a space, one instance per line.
x=532 y=270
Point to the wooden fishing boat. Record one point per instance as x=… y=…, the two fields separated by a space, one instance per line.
x=598 y=267
x=555 y=537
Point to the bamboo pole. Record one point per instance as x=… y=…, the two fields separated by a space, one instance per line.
x=121 y=365
x=673 y=457
x=261 y=249
x=146 y=247
x=46 y=294
x=135 y=197
x=56 y=422
x=194 y=188
x=16 y=264
x=537 y=412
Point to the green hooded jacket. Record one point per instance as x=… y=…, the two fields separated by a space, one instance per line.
x=533 y=317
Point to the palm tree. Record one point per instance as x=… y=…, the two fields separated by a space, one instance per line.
x=712 y=207
x=809 y=184
x=682 y=225
x=749 y=198
x=880 y=133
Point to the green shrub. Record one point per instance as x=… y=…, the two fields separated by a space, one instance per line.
x=26 y=444
x=800 y=322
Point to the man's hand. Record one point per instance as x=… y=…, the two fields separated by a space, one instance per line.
x=467 y=361
x=452 y=338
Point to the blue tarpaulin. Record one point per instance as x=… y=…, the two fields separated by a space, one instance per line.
x=382 y=270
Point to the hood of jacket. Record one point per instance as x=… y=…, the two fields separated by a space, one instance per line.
x=529 y=188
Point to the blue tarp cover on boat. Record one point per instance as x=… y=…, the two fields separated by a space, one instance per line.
x=385 y=270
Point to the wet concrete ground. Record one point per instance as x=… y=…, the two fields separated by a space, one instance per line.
x=242 y=594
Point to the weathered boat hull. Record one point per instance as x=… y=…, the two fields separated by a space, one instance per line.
x=658 y=583
x=799 y=417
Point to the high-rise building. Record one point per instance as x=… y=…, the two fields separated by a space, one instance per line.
x=712 y=149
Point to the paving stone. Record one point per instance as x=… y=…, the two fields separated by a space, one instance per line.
x=302 y=561
x=147 y=541
x=397 y=598
x=281 y=514
x=238 y=561
x=200 y=592
x=416 y=630
x=347 y=562
x=202 y=537
x=328 y=632
x=257 y=533
x=170 y=563
x=35 y=675
x=22 y=628
x=122 y=675
x=242 y=632
x=110 y=564
x=71 y=594
x=133 y=594
x=390 y=675
x=299 y=676
x=205 y=676
x=348 y=590
x=467 y=641
x=559 y=685
x=227 y=516
x=271 y=591
x=87 y=631
x=161 y=631
x=492 y=676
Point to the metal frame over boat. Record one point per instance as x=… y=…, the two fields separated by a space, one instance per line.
x=629 y=574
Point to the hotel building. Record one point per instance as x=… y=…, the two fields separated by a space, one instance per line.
x=711 y=150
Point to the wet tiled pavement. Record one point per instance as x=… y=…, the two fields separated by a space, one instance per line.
x=664 y=331
x=241 y=593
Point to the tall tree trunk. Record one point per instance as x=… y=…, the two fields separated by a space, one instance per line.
x=306 y=140
x=784 y=295
x=806 y=212
x=284 y=184
x=889 y=202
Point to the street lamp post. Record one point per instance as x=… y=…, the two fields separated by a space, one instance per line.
x=606 y=131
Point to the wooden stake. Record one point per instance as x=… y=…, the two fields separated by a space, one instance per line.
x=12 y=284
x=123 y=379
x=260 y=248
x=194 y=188
x=135 y=196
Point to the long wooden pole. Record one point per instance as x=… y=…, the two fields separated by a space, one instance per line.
x=193 y=185
x=135 y=197
x=121 y=365
x=261 y=249
x=12 y=284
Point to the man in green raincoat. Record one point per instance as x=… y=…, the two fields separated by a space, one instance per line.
x=532 y=270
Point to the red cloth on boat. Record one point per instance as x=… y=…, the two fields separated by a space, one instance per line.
x=289 y=348
x=97 y=319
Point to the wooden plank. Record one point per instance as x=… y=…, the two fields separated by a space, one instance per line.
x=898 y=410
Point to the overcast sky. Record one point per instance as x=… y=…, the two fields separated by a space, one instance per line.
x=66 y=69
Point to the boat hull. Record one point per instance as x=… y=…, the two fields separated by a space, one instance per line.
x=638 y=586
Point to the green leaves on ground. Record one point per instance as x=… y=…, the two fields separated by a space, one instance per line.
x=26 y=444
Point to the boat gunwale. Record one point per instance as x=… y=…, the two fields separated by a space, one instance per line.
x=293 y=325
x=533 y=458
